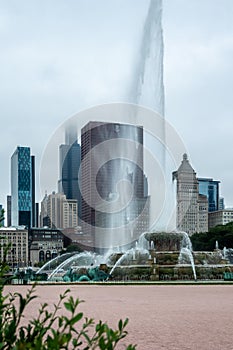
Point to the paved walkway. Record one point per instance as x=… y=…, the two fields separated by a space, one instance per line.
x=161 y=317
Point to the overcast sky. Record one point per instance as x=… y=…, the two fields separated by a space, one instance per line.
x=61 y=56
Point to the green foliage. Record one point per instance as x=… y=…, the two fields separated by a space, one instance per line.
x=39 y=263
x=207 y=241
x=51 y=329
x=73 y=248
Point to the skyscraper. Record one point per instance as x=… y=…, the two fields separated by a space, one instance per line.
x=22 y=187
x=69 y=164
x=112 y=157
x=33 y=213
x=8 y=211
x=59 y=212
x=221 y=204
x=210 y=188
x=3 y=222
x=192 y=208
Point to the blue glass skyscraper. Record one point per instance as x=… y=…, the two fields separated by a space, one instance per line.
x=1 y=223
x=22 y=187
x=210 y=188
x=70 y=159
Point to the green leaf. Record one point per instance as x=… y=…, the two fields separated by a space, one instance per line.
x=76 y=318
x=68 y=306
x=120 y=325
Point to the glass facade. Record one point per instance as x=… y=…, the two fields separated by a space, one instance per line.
x=210 y=188
x=8 y=211
x=70 y=159
x=21 y=187
x=112 y=155
x=3 y=222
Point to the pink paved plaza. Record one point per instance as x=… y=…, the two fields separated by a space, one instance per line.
x=160 y=317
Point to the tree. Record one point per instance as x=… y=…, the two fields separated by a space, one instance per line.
x=207 y=241
x=73 y=248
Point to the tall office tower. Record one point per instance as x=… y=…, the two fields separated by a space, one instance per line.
x=112 y=157
x=44 y=218
x=22 y=187
x=221 y=204
x=54 y=209
x=59 y=212
x=145 y=188
x=69 y=164
x=3 y=222
x=210 y=189
x=69 y=213
x=192 y=214
x=37 y=214
x=203 y=217
x=8 y=211
x=33 y=214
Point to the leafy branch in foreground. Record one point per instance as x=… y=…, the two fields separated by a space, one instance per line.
x=51 y=330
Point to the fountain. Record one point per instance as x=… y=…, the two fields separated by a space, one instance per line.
x=54 y=263
x=155 y=255
x=168 y=257
x=148 y=88
x=76 y=264
x=186 y=257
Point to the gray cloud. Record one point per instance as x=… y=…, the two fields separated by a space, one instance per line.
x=59 y=57
x=199 y=83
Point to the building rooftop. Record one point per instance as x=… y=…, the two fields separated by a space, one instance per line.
x=13 y=228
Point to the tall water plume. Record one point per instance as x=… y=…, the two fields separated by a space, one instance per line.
x=148 y=91
x=148 y=87
x=135 y=157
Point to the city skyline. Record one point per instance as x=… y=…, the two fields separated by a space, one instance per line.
x=197 y=68
x=208 y=187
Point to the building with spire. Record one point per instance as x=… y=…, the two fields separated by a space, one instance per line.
x=192 y=208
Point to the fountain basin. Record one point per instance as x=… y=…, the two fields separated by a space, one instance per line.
x=170 y=257
x=165 y=241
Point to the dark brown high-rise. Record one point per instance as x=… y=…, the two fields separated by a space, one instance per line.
x=111 y=158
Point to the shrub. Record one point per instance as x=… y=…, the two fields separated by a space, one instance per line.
x=52 y=330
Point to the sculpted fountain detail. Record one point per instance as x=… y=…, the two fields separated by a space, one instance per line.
x=157 y=256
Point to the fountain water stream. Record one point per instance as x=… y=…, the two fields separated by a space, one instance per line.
x=148 y=91
x=148 y=88
x=186 y=252
x=80 y=259
x=130 y=255
x=186 y=256
x=52 y=264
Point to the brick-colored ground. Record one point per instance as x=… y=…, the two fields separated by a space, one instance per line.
x=161 y=317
